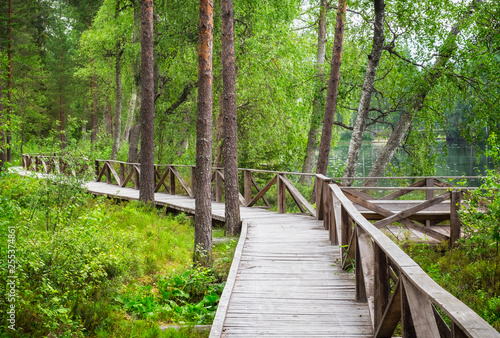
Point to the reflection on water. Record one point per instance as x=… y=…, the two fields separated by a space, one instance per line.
x=460 y=160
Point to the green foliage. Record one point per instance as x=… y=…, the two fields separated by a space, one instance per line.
x=189 y=297
x=74 y=254
x=471 y=271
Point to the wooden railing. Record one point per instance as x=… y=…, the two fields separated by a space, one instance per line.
x=54 y=163
x=169 y=177
x=395 y=288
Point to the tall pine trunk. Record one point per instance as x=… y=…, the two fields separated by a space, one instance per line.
x=366 y=93
x=147 y=181
x=135 y=130
x=203 y=208
x=333 y=85
x=9 y=86
x=118 y=109
x=233 y=224
x=3 y=153
x=93 y=114
x=319 y=99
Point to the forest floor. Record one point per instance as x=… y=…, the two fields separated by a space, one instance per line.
x=89 y=266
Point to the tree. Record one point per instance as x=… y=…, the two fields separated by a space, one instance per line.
x=331 y=97
x=422 y=88
x=147 y=181
x=203 y=209
x=230 y=126
x=366 y=93
x=318 y=101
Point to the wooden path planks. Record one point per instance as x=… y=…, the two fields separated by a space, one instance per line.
x=288 y=282
x=287 y=279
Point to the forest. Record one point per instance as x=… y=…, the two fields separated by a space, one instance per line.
x=70 y=79
x=272 y=85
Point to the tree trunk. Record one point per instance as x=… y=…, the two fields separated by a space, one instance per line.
x=219 y=135
x=232 y=203
x=416 y=104
x=203 y=209
x=333 y=85
x=319 y=99
x=366 y=93
x=147 y=181
x=61 y=109
x=118 y=111
x=3 y=153
x=93 y=115
x=133 y=143
x=135 y=130
x=9 y=86
x=130 y=116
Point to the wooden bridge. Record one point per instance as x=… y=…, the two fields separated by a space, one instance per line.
x=318 y=271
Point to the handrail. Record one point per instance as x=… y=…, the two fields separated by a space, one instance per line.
x=377 y=260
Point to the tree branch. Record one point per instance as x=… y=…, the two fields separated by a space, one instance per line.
x=182 y=98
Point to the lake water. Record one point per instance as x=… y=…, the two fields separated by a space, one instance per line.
x=461 y=159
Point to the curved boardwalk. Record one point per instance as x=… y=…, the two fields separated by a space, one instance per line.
x=288 y=282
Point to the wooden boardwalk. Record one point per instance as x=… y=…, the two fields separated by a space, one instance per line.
x=288 y=282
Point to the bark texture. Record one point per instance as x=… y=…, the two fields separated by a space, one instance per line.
x=118 y=108
x=366 y=93
x=9 y=86
x=203 y=208
x=93 y=115
x=318 y=101
x=135 y=130
x=423 y=87
x=130 y=116
x=219 y=136
x=333 y=85
x=3 y=153
x=230 y=148
x=147 y=181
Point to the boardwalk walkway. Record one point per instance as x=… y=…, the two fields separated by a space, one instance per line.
x=287 y=283
x=286 y=279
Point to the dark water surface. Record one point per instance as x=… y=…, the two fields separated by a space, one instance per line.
x=460 y=159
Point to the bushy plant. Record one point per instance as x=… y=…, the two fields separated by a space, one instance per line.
x=189 y=297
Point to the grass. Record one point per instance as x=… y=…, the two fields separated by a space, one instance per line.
x=79 y=257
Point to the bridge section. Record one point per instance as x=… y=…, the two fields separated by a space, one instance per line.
x=287 y=279
x=290 y=277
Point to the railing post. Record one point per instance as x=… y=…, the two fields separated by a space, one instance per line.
x=360 y=280
x=381 y=284
x=429 y=194
x=344 y=232
x=454 y=218
x=122 y=173
x=172 y=181
x=97 y=169
x=247 y=186
x=281 y=195
x=320 y=209
x=108 y=172
x=193 y=180
x=137 y=177
x=332 y=223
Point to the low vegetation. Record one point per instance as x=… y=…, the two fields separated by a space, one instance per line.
x=471 y=270
x=91 y=266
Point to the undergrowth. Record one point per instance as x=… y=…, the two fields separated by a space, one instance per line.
x=90 y=266
x=471 y=270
